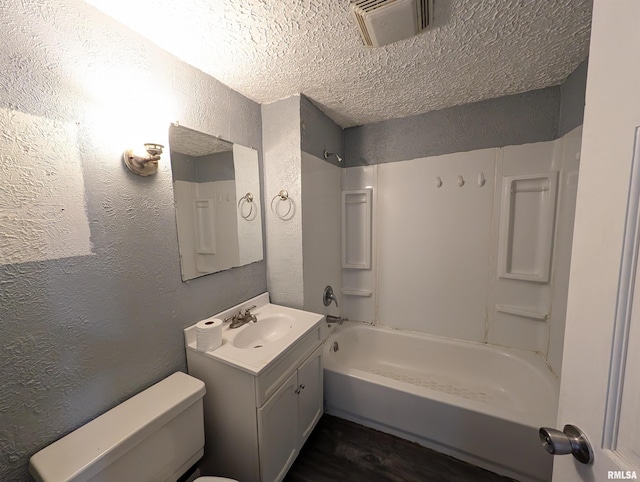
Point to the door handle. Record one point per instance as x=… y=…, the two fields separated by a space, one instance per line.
x=570 y=441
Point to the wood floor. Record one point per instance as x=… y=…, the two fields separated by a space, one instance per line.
x=339 y=450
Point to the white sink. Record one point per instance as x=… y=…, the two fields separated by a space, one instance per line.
x=264 y=331
x=255 y=346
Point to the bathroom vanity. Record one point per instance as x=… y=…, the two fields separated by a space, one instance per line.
x=264 y=390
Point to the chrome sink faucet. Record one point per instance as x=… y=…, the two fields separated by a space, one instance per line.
x=241 y=318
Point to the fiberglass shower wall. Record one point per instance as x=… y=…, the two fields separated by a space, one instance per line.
x=438 y=265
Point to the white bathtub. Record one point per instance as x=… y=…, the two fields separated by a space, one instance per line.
x=479 y=403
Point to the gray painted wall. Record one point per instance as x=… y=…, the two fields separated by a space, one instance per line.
x=80 y=334
x=214 y=167
x=515 y=119
x=319 y=132
x=572 y=95
x=539 y=115
x=183 y=167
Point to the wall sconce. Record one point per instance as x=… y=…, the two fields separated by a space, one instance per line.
x=327 y=154
x=143 y=161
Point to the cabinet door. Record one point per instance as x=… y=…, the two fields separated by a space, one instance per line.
x=278 y=432
x=310 y=394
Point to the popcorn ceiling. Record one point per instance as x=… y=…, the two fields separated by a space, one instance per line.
x=270 y=50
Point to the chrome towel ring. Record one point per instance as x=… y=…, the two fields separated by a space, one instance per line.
x=281 y=197
x=246 y=199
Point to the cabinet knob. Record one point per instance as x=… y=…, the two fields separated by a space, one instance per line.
x=302 y=387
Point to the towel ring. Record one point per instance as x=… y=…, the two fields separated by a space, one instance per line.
x=282 y=196
x=246 y=199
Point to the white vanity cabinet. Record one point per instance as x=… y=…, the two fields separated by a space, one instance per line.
x=256 y=423
x=288 y=417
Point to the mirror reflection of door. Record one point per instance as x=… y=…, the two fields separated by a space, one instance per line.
x=217 y=199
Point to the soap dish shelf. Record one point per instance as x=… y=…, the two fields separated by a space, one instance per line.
x=523 y=311
x=356 y=292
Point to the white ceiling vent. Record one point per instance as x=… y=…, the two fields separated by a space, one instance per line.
x=382 y=22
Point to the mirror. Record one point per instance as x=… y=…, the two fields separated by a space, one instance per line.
x=216 y=187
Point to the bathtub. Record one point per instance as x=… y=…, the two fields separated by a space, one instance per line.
x=479 y=403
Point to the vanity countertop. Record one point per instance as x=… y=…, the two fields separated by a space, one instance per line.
x=256 y=359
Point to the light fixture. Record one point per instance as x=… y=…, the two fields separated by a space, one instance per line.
x=143 y=161
x=328 y=154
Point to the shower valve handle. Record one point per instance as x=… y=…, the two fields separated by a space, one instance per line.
x=328 y=296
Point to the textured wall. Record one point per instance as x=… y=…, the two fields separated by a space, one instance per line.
x=81 y=332
x=511 y=120
x=42 y=191
x=283 y=170
x=292 y=129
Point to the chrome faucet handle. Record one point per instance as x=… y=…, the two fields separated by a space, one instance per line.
x=233 y=317
x=248 y=315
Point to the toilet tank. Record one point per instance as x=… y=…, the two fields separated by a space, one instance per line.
x=156 y=435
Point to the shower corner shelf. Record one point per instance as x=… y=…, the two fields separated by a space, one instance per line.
x=356 y=292
x=523 y=311
x=527 y=216
x=356 y=229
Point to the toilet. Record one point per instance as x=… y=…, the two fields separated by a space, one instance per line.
x=157 y=435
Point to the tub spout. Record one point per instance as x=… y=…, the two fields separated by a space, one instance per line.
x=336 y=319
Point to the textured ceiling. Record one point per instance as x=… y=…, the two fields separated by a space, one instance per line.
x=268 y=50
x=194 y=143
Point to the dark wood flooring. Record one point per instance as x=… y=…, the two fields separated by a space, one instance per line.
x=339 y=450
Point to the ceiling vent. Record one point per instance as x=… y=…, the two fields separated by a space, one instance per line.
x=382 y=22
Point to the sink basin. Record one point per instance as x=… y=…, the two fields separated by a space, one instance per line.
x=254 y=347
x=266 y=330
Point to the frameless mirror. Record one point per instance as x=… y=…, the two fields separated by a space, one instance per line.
x=216 y=187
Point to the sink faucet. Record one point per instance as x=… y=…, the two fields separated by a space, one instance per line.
x=241 y=318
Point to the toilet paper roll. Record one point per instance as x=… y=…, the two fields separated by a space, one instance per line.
x=208 y=334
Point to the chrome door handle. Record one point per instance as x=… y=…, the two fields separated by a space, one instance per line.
x=570 y=441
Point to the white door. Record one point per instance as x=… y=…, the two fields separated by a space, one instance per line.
x=602 y=339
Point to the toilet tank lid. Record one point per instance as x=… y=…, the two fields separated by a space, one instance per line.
x=89 y=449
